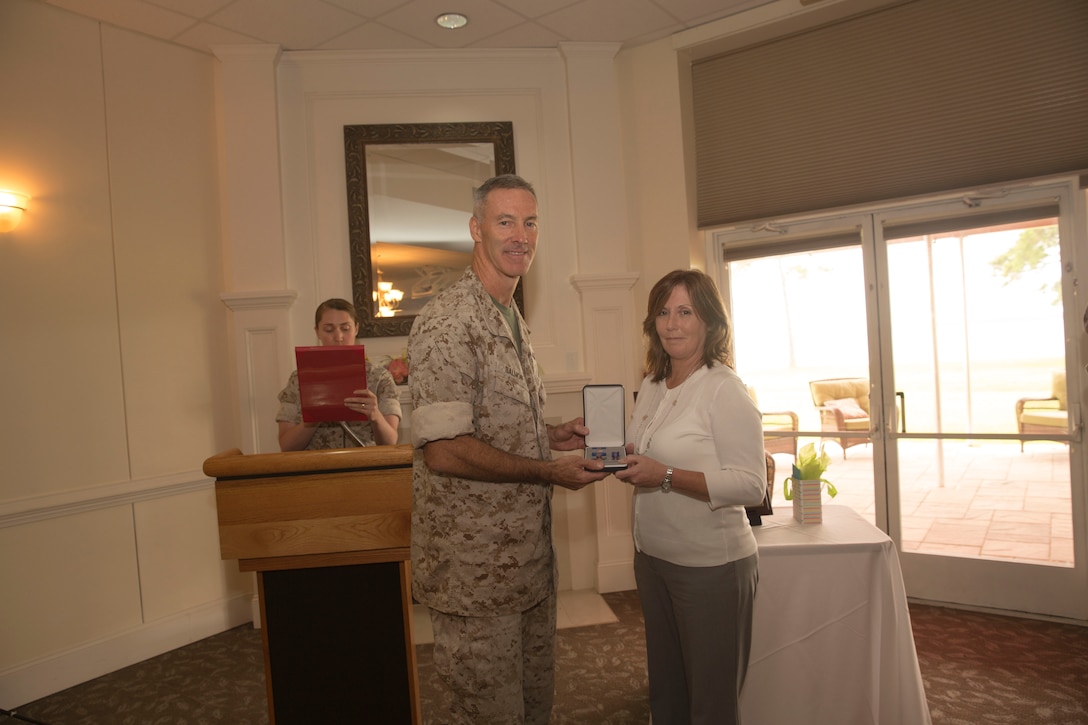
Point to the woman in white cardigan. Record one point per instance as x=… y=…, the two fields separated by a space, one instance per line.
x=696 y=459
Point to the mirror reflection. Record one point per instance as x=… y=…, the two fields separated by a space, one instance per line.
x=409 y=200
x=430 y=186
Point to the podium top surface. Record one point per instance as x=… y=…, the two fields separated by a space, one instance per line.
x=234 y=464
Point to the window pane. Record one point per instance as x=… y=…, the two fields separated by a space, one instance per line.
x=976 y=325
x=799 y=318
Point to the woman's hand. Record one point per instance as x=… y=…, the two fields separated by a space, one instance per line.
x=645 y=472
x=364 y=402
x=383 y=427
x=642 y=471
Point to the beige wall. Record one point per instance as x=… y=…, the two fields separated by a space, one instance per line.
x=115 y=353
x=661 y=209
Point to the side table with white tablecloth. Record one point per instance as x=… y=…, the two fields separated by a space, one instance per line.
x=832 y=642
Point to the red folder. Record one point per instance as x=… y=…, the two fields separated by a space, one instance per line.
x=326 y=375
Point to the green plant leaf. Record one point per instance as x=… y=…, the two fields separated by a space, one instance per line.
x=809 y=466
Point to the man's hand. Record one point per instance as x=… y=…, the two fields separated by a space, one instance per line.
x=575 y=472
x=570 y=436
x=468 y=457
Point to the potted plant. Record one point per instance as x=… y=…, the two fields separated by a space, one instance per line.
x=805 y=485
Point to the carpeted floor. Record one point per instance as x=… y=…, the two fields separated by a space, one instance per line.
x=986 y=669
x=978 y=669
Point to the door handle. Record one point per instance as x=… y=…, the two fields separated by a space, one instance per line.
x=901 y=411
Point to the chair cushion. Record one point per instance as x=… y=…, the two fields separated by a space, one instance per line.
x=1058 y=390
x=840 y=389
x=1045 y=416
x=752 y=394
x=849 y=407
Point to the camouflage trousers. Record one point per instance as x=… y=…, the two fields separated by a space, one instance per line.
x=496 y=670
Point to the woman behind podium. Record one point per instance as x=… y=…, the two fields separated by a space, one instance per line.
x=336 y=323
x=696 y=459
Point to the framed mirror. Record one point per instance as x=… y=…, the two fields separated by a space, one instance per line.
x=409 y=201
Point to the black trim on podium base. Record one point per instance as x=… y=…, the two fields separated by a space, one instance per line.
x=335 y=644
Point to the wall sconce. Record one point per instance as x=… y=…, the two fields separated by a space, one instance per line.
x=12 y=206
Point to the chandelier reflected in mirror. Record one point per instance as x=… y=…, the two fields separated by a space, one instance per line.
x=387 y=298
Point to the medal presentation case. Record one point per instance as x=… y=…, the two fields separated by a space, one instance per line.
x=603 y=411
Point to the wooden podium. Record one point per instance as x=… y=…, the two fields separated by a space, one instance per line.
x=328 y=533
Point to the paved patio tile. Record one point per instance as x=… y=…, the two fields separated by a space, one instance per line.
x=995 y=502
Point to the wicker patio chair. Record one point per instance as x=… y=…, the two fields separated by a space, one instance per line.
x=778 y=420
x=1045 y=415
x=843 y=404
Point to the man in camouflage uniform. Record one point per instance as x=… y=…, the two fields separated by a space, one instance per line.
x=482 y=557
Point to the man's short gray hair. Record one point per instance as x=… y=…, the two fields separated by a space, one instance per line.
x=502 y=181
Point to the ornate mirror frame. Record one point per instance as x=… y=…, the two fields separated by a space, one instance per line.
x=356 y=141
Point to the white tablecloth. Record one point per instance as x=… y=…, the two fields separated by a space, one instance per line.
x=831 y=642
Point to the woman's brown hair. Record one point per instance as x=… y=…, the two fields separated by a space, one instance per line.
x=335 y=303
x=705 y=298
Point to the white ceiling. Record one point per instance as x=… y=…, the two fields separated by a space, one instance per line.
x=404 y=24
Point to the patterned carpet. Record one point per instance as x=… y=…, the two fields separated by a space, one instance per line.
x=978 y=669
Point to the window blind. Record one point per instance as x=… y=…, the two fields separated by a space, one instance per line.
x=920 y=97
x=758 y=248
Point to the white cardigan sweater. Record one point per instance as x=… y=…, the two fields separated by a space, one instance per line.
x=708 y=423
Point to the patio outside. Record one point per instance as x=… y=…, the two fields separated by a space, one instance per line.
x=992 y=501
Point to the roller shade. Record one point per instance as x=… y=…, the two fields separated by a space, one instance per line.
x=920 y=97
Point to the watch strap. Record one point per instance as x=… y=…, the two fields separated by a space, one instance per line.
x=666 y=485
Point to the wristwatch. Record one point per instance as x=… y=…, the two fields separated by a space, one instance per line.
x=666 y=485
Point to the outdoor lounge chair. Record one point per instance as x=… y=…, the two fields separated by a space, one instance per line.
x=777 y=421
x=1045 y=415
x=843 y=404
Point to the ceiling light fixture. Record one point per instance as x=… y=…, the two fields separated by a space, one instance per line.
x=451 y=21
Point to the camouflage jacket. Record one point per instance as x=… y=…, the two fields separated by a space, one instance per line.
x=478 y=548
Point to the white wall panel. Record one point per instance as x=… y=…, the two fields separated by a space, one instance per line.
x=77 y=583
x=180 y=566
x=161 y=107
x=58 y=317
x=115 y=351
x=661 y=209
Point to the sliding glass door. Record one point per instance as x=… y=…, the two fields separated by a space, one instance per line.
x=959 y=319
x=983 y=338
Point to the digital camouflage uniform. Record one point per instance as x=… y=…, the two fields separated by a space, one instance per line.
x=330 y=434
x=481 y=551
